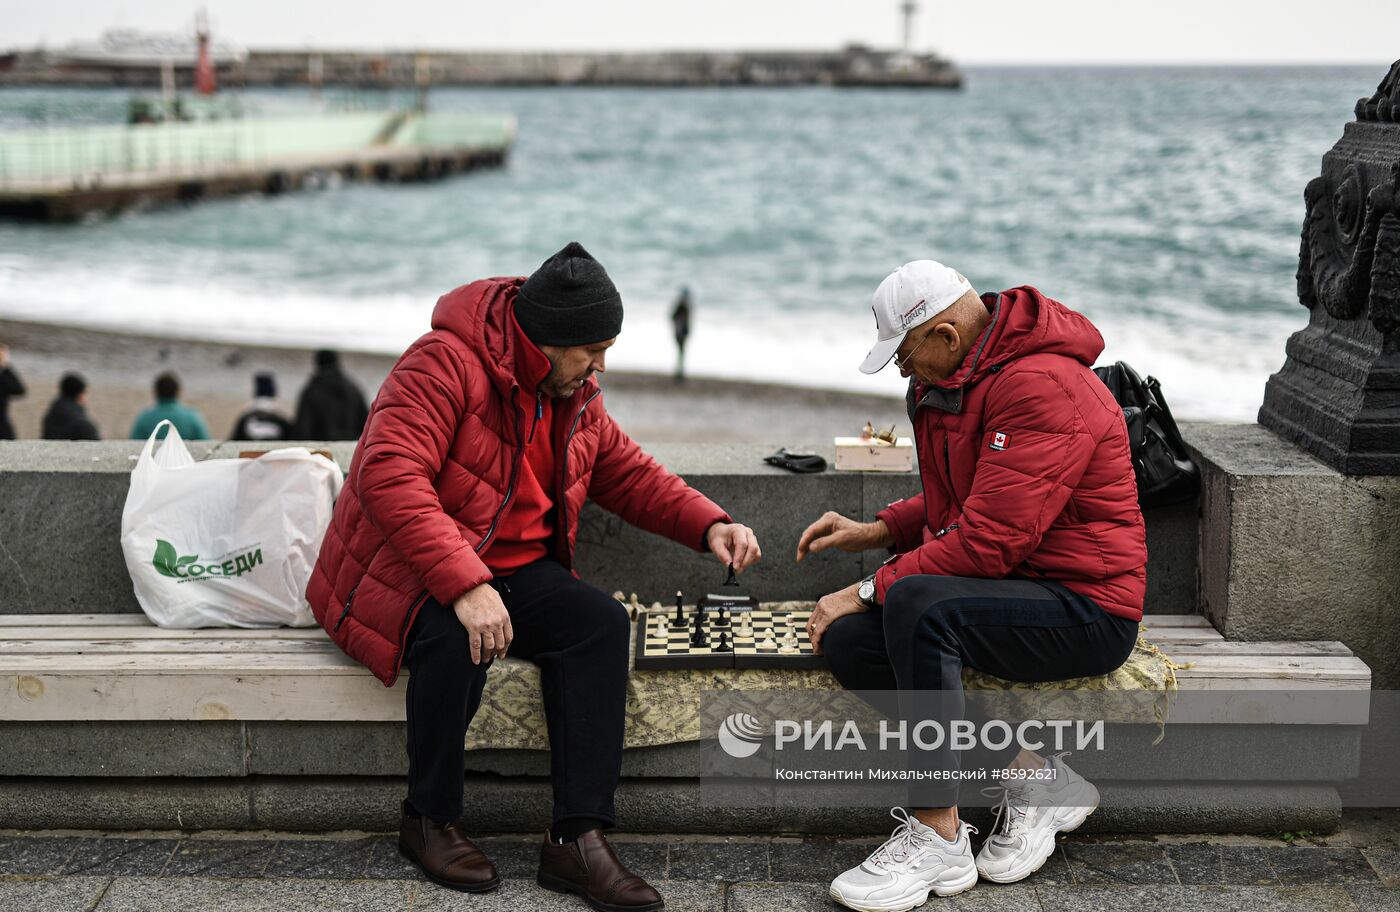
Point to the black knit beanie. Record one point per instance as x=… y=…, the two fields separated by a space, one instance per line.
x=569 y=300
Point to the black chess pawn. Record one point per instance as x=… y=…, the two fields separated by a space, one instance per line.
x=679 y=619
x=721 y=617
x=697 y=636
x=723 y=644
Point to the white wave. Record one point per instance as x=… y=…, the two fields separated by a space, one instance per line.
x=1214 y=370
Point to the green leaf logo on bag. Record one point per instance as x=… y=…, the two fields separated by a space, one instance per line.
x=169 y=563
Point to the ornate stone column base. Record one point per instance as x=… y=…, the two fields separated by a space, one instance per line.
x=1338 y=394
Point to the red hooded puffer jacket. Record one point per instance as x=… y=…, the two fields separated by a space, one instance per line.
x=1024 y=459
x=435 y=468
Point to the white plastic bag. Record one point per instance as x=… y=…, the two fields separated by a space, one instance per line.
x=226 y=542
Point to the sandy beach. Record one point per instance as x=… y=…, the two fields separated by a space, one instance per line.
x=217 y=380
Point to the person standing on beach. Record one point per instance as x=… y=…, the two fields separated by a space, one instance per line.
x=331 y=406
x=263 y=419
x=67 y=417
x=187 y=421
x=452 y=544
x=680 y=324
x=1023 y=557
x=10 y=388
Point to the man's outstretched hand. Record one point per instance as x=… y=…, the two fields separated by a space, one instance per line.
x=836 y=531
x=735 y=545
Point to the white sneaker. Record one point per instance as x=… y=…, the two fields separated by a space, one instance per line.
x=913 y=862
x=1030 y=814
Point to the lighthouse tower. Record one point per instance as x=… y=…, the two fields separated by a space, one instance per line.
x=908 y=9
x=205 y=81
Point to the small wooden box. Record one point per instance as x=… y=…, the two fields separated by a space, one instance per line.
x=856 y=455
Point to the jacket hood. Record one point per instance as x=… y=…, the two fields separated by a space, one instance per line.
x=479 y=314
x=1024 y=322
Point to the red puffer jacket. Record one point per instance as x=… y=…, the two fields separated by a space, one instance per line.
x=435 y=469
x=1025 y=464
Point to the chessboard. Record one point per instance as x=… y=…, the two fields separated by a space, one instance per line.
x=733 y=632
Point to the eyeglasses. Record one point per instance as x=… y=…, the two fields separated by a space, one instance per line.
x=902 y=362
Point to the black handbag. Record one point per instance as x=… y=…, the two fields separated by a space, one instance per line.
x=1165 y=472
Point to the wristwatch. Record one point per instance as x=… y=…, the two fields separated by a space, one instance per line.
x=866 y=592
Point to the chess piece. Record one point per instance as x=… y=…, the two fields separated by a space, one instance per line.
x=723 y=645
x=722 y=617
x=620 y=597
x=679 y=619
x=697 y=636
x=731 y=579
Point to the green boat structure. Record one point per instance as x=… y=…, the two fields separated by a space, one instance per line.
x=66 y=174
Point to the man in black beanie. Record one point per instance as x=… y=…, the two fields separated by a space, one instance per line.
x=452 y=545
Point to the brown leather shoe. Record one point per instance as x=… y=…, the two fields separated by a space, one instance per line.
x=448 y=858
x=589 y=868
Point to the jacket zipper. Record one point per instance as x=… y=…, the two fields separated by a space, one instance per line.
x=510 y=487
x=346 y=613
x=539 y=413
x=947 y=469
x=403 y=629
x=564 y=470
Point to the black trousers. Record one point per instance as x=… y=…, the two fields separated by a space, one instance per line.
x=577 y=635
x=931 y=626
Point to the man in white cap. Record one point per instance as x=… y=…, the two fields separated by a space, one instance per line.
x=1024 y=557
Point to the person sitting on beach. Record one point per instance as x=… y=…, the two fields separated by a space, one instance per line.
x=1024 y=557
x=187 y=421
x=67 y=417
x=263 y=419
x=452 y=544
x=331 y=406
x=10 y=388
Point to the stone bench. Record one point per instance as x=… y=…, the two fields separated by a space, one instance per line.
x=1240 y=556
x=278 y=728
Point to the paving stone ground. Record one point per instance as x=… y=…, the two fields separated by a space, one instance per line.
x=1355 y=870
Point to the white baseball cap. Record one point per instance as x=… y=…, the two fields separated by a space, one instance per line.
x=913 y=294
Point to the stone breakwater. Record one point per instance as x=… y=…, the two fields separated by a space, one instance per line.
x=851 y=66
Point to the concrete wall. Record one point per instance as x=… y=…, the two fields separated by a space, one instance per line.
x=1290 y=549
x=61 y=504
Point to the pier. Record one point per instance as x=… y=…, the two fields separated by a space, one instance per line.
x=851 y=66
x=67 y=174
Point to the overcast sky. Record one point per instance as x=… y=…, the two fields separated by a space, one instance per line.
x=991 y=31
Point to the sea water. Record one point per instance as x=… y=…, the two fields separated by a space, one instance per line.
x=1165 y=204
